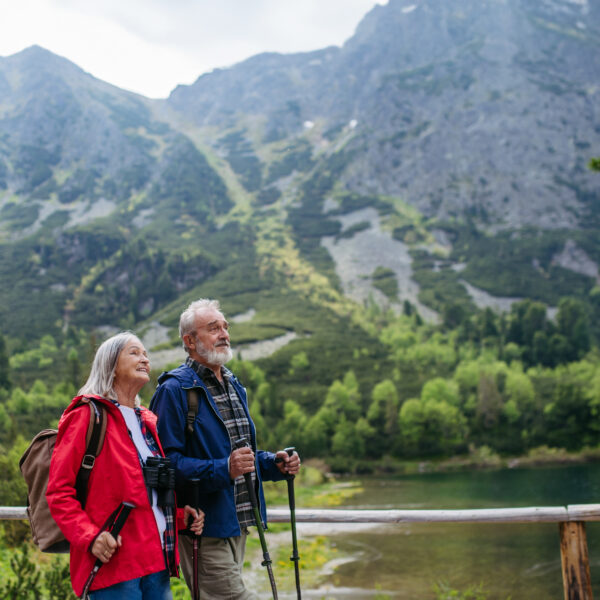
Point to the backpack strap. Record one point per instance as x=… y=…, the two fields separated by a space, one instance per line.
x=192 y=412
x=94 y=442
x=94 y=438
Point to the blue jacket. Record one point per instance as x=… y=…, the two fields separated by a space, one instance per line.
x=205 y=455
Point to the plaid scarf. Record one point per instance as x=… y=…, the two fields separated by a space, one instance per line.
x=168 y=512
x=237 y=424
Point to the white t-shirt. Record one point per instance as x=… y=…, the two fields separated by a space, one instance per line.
x=135 y=430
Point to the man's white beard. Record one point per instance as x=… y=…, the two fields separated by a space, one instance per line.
x=216 y=356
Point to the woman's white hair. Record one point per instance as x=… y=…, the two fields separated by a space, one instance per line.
x=187 y=320
x=102 y=375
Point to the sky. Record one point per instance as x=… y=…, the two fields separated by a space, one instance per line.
x=151 y=46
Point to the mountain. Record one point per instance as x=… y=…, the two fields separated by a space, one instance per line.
x=464 y=107
x=481 y=115
x=82 y=166
x=437 y=159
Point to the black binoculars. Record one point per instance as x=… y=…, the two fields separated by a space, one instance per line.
x=159 y=476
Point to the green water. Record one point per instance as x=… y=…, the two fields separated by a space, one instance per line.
x=517 y=561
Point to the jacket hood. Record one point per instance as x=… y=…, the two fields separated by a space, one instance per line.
x=75 y=402
x=183 y=374
x=147 y=416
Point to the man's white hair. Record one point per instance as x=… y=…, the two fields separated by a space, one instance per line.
x=187 y=320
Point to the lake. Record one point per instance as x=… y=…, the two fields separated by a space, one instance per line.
x=517 y=561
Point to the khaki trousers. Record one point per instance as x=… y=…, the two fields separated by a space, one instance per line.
x=220 y=562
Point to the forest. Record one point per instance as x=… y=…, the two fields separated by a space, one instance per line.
x=476 y=388
x=508 y=382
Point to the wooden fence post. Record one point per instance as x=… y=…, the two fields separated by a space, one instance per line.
x=577 y=582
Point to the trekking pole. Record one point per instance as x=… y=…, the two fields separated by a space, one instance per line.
x=114 y=525
x=292 y=502
x=241 y=443
x=196 y=502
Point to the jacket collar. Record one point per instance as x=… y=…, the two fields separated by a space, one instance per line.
x=188 y=378
x=146 y=415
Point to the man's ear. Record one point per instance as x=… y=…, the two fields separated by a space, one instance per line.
x=189 y=341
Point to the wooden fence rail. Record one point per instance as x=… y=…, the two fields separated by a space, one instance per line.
x=571 y=519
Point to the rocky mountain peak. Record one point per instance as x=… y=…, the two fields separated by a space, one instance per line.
x=478 y=117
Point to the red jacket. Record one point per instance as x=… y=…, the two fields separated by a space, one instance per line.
x=116 y=477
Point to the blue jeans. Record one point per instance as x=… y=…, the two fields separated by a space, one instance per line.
x=156 y=586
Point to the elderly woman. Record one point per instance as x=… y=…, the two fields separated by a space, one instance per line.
x=138 y=564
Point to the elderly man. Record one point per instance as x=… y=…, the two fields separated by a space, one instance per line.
x=200 y=442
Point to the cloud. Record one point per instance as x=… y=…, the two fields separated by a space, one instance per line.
x=150 y=46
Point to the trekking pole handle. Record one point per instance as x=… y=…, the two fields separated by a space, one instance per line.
x=195 y=483
x=121 y=518
x=290 y=480
x=241 y=443
x=290 y=451
x=114 y=529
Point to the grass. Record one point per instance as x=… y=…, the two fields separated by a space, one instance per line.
x=312 y=489
x=444 y=592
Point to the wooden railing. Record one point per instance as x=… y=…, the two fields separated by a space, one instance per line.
x=571 y=519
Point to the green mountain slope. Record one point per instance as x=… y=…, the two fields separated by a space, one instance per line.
x=433 y=164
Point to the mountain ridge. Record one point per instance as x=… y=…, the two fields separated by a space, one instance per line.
x=474 y=119
x=413 y=105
